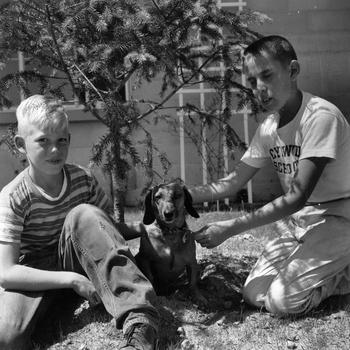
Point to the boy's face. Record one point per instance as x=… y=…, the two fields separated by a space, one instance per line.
x=46 y=148
x=272 y=82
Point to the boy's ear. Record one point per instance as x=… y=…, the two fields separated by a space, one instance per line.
x=294 y=69
x=20 y=144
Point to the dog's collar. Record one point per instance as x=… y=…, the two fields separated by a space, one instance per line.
x=184 y=231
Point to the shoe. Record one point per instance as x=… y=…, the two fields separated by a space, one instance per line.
x=140 y=336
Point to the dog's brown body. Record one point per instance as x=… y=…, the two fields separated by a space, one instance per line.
x=168 y=249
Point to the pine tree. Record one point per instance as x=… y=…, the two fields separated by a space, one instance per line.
x=95 y=46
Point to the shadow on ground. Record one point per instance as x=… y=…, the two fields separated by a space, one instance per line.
x=221 y=280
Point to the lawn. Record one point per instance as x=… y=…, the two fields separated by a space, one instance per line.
x=226 y=323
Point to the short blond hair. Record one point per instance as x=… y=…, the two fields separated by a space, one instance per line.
x=40 y=110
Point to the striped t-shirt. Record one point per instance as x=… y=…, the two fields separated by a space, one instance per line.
x=29 y=218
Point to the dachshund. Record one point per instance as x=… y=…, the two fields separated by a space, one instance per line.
x=168 y=250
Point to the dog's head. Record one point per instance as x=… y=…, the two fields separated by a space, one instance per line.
x=167 y=203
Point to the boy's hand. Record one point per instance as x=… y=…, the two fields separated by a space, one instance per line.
x=84 y=287
x=213 y=234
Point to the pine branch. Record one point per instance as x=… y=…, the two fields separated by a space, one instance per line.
x=65 y=68
x=35 y=8
x=175 y=90
x=89 y=82
x=58 y=50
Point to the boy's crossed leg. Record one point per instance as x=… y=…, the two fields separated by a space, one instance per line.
x=91 y=245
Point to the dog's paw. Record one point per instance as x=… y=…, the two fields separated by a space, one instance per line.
x=199 y=298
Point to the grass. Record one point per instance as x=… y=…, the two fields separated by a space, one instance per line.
x=226 y=324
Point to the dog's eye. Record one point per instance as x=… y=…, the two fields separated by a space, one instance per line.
x=157 y=197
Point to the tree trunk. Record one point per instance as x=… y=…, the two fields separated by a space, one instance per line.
x=119 y=194
x=119 y=182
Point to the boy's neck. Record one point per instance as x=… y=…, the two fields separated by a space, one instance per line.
x=290 y=109
x=50 y=184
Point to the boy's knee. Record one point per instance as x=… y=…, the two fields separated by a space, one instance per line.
x=83 y=212
x=281 y=300
x=12 y=336
x=84 y=216
x=277 y=297
x=255 y=289
x=253 y=296
x=79 y=221
x=276 y=302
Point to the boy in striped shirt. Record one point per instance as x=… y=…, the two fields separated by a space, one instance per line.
x=57 y=231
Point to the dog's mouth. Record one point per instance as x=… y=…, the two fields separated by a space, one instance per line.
x=169 y=217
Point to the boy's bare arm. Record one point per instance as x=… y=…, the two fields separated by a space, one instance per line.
x=309 y=171
x=19 y=277
x=225 y=187
x=304 y=182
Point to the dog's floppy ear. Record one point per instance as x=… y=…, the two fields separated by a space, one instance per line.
x=188 y=204
x=148 y=216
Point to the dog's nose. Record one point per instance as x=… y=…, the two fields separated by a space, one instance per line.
x=168 y=215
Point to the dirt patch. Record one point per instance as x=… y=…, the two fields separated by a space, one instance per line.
x=221 y=280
